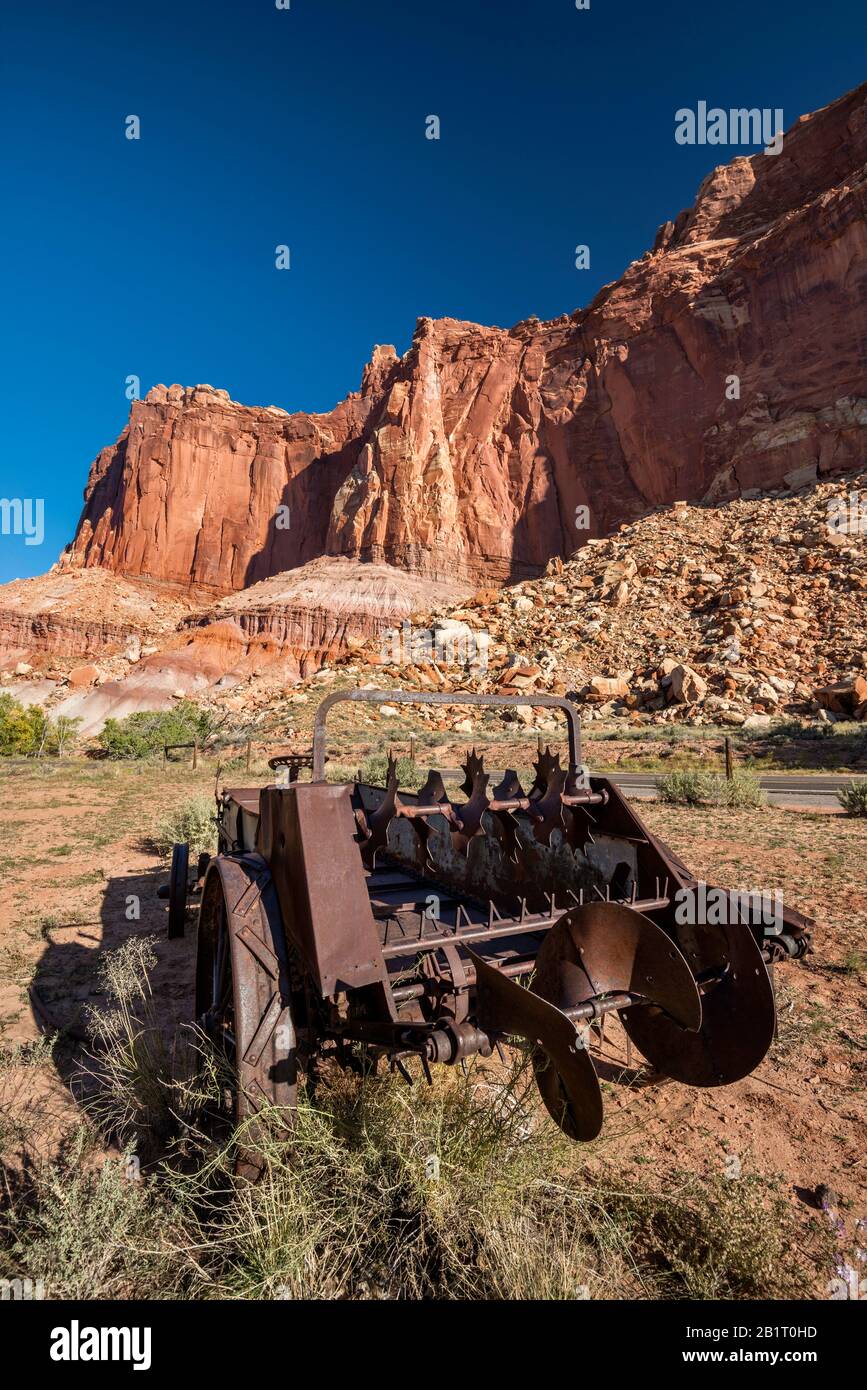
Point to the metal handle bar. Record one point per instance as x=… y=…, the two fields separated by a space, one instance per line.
x=416 y=697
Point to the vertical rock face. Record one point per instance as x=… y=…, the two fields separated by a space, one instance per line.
x=730 y=357
x=202 y=492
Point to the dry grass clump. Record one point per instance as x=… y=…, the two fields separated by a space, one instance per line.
x=192 y=822
x=460 y=1190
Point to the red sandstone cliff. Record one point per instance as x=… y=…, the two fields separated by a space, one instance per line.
x=466 y=458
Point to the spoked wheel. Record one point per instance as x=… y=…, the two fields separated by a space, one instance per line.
x=243 y=998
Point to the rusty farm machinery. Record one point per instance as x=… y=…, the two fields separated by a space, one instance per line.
x=359 y=920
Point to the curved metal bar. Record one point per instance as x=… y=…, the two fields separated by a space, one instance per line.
x=428 y=697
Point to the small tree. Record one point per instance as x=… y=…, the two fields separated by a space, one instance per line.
x=22 y=730
x=144 y=734
x=63 y=733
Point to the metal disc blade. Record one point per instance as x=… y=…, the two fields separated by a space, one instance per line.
x=572 y=1096
x=564 y=1070
x=606 y=948
x=738 y=1017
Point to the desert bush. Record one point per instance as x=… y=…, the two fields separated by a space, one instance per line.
x=144 y=734
x=853 y=799
x=193 y=821
x=87 y=1231
x=684 y=787
x=714 y=1237
x=466 y=1190
x=380 y=1190
x=374 y=769
x=132 y=1066
x=687 y=788
x=742 y=790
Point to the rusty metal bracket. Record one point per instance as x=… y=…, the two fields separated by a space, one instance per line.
x=428 y=697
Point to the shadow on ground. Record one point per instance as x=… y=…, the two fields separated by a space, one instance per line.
x=67 y=984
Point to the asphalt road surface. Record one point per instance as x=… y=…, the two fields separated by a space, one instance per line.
x=809 y=789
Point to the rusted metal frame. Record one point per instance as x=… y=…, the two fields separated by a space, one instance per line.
x=518 y=803
x=445 y=1039
x=514 y=927
x=427 y=697
x=505 y=926
x=589 y=1012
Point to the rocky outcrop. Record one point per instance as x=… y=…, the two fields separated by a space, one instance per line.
x=733 y=614
x=304 y=619
x=70 y=613
x=731 y=357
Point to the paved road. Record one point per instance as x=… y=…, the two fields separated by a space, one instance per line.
x=783 y=788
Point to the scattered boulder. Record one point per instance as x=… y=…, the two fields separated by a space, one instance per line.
x=847 y=698
x=603 y=688
x=80 y=677
x=687 y=686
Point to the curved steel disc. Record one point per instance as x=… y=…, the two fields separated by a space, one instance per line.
x=738 y=1016
x=606 y=948
x=565 y=1074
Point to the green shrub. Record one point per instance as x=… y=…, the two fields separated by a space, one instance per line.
x=144 y=734
x=22 y=731
x=374 y=769
x=30 y=732
x=688 y=788
x=742 y=791
x=853 y=799
x=193 y=822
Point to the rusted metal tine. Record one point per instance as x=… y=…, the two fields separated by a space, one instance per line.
x=474 y=932
x=383 y=910
x=438 y=808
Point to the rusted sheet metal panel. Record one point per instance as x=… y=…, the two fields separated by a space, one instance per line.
x=307 y=835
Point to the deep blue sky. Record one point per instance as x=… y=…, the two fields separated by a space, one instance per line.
x=306 y=127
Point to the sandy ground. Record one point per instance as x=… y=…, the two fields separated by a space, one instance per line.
x=77 y=868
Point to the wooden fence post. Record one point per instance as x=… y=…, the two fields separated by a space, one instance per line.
x=729 y=768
